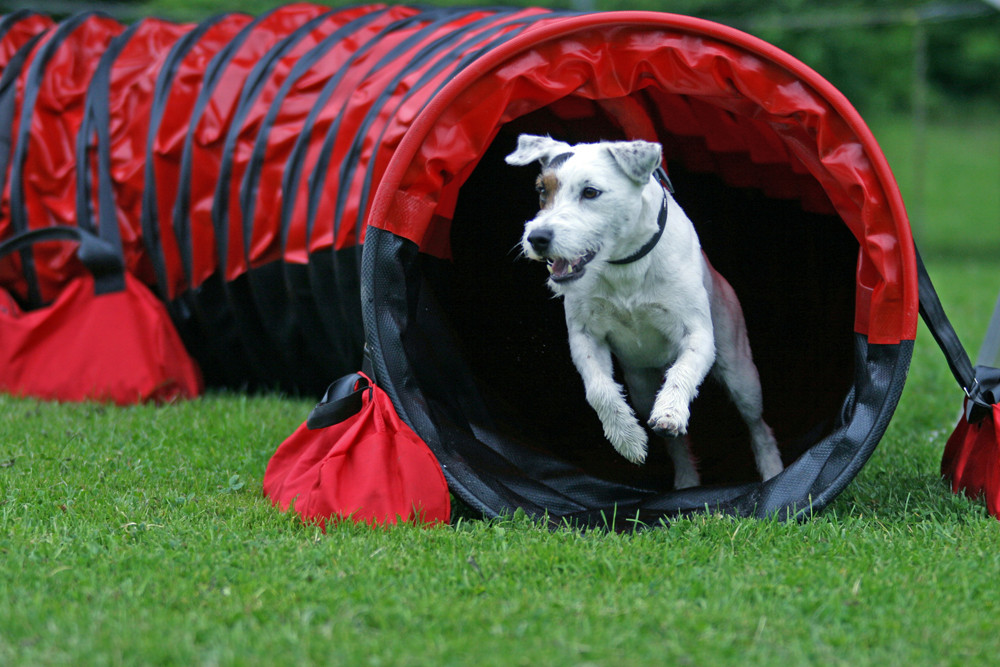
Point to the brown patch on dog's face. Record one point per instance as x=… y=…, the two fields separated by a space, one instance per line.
x=547 y=185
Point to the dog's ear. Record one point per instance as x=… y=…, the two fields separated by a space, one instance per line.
x=638 y=159
x=531 y=147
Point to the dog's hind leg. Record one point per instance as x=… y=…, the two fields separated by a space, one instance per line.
x=735 y=369
x=643 y=385
x=685 y=468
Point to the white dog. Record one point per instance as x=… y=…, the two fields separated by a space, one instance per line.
x=636 y=284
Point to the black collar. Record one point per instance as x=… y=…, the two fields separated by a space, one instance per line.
x=661 y=222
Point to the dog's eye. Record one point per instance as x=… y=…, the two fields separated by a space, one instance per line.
x=541 y=190
x=590 y=193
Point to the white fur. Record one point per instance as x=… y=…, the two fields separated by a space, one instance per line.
x=669 y=317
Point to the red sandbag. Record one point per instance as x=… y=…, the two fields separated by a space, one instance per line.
x=972 y=459
x=119 y=347
x=370 y=467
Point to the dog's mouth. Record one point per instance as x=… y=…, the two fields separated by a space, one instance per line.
x=563 y=270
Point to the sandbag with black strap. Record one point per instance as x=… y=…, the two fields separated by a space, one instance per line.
x=971 y=460
x=355 y=458
x=105 y=336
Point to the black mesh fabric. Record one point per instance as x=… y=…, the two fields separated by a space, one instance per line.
x=496 y=458
x=473 y=352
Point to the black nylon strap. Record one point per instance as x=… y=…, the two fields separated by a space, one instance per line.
x=427 y=22
x=33 y=82
x=251 y=177
x=463 y=57
x=981 y=383
x=182 y=204
x=342 y=399
x=8 y=103
x=150 y=207
x=442 y=49
x=95 y=132
x=940 y=327
x=103 y=258
x=97 y=121
x=253 y=86
x=100 y=258
x=294 y=170
x=248 y=92
x=8 y=21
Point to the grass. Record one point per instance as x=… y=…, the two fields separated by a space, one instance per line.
x=139 y=536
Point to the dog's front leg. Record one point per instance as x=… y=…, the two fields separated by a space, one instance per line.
x=672 y=407
x=607 y=397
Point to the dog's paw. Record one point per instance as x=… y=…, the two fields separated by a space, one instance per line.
x=686 y=479
x=765 y=451
x=629 y=439
x=671 y=422
x=769 y=464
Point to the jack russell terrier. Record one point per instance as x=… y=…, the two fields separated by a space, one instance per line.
x=637 y=285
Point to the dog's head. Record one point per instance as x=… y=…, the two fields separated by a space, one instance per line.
x=591 y=199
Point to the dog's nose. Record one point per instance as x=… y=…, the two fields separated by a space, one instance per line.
x=540 y=239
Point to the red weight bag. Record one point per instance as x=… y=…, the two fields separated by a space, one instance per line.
x=354 y=457
x=971 y=459
x=105 y=337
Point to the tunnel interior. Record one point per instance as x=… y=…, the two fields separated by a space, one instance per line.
x=766 y=227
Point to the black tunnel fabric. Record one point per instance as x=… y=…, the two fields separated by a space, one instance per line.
x=493 y=463
x=317 y=180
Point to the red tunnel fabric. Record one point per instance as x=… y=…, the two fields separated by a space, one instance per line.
x=41 y=189
x=733 y=78
x=18 y=29
x=214 y=220
x=753 y=104
x=260 y=167
x=116 y=347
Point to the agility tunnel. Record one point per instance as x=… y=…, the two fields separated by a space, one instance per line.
x=298 y=186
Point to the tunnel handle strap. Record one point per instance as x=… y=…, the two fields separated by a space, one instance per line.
x=100 y=257
x=343 y=397
x=980 y=383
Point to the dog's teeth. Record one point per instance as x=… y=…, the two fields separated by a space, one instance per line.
x=550 y=267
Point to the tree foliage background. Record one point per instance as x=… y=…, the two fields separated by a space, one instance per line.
x=867 y=48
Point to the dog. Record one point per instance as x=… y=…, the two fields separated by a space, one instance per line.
x=636 y=285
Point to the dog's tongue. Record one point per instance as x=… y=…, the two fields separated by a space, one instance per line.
x=559 y=267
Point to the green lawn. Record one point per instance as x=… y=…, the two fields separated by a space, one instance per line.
x=139 y=536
